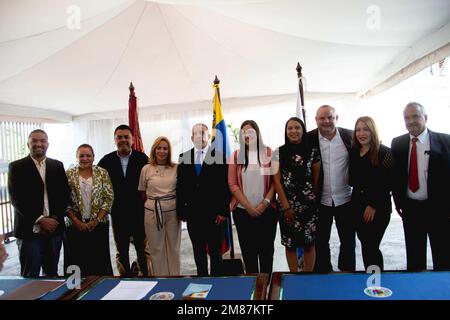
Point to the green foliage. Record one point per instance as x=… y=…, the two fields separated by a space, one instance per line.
x=234 y=132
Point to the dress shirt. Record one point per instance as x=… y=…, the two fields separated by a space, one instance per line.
x=124 y=161
x=204 y=150
x=335 y=162
x=41 y=168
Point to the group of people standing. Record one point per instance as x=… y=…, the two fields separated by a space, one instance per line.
x=329 y=173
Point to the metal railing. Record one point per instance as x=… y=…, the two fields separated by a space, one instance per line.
x=13 y=146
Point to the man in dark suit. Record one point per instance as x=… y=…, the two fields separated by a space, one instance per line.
x=334 y=192
x=203 y=199
x=124 y=167
x=422 y=172
x=39 y=193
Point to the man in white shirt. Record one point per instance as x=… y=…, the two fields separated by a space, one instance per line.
x=421 y=174
x=124 y=167
x=334 y=192
x=40 y=194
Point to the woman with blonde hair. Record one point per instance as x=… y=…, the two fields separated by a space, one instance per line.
x=369 y=172
x=162 y=227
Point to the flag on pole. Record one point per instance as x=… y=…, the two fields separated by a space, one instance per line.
x=301 y=114
x=133 y=121
x=219 y=137
x=300 y=109
x=219 y=141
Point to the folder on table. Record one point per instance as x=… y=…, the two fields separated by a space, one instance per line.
x=33 y=290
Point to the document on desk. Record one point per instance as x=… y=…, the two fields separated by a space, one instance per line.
x=130 y=290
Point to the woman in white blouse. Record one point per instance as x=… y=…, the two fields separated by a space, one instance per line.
x=251 y=184
x=162 y=227
x=87 y=244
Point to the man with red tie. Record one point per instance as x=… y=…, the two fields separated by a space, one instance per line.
x=422 y=171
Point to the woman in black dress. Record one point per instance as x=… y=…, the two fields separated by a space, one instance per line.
x=370 y=169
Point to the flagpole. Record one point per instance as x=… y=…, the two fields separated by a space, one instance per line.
x=300 y=258
x=133 y=121
x=217 y=81
x=229 y=226
x=300 y=88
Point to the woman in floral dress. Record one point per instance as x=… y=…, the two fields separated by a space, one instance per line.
x=297 y=168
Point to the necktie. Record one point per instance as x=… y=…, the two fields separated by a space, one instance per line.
x=198 y=162
x=413 y=171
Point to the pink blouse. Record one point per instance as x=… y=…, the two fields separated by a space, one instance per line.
x=235 y=174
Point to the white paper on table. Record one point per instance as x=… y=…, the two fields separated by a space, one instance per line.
x=130 y=290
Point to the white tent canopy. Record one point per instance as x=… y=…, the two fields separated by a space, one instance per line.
x=171 y=50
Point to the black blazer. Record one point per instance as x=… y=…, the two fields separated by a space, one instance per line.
x=313 y=140
x=372 y=185
x=438 y=170
x=128 y=204
x=206 y=195
x=26 y=190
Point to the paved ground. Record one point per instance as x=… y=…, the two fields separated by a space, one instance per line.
x=393 y=249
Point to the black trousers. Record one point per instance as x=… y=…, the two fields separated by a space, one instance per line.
x=205 y=234
x=123 y=231
x=370 y=234
x=256 y=239
x=89 y=250
x=420 y=220
x=39 y=251
x=345 y=225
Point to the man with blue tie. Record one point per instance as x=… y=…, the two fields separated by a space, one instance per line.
x=203 y=199
x=422 y=170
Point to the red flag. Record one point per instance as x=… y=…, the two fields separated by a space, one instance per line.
x=134 y=121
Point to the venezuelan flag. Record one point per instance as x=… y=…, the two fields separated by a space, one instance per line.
x=219 y=140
